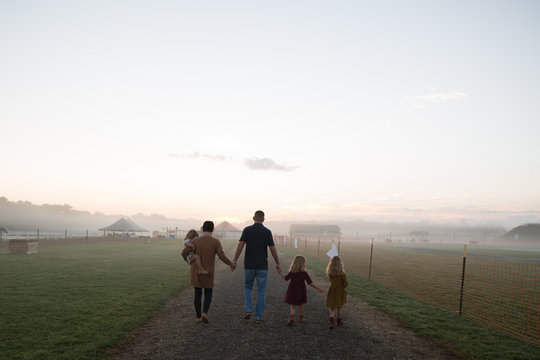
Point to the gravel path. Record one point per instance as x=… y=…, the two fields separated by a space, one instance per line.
x=367 y=334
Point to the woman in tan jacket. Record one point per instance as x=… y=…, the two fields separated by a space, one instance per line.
x=206 y=247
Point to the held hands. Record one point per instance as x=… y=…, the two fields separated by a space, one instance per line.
x=233 y=266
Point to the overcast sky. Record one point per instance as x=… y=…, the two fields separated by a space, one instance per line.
x=308 y=110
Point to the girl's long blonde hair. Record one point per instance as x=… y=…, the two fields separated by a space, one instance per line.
x=298 y=264
x=335 y=267
x=192 y=234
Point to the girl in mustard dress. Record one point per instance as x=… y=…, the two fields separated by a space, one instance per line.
x=337 y=293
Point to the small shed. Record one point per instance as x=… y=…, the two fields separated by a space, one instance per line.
x=315 y=231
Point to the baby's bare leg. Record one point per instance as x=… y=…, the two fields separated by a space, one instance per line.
x=197 y=260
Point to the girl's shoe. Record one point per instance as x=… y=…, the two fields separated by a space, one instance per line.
x=291 y=320
x=332 y=323
x=301 y=318
x=339 y=322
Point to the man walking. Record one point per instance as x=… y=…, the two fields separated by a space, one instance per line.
x=257 y=239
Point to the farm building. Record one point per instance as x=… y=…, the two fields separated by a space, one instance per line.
x=226 y=231
x=315 y=231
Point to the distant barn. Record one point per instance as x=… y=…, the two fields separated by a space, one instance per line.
x=315 y=231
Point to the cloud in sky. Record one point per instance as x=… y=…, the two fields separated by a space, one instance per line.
x=422 y=101
x=251 y=164
x=197 y=155
x=266 y=164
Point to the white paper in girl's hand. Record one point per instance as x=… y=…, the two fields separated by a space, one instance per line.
x=333 y=251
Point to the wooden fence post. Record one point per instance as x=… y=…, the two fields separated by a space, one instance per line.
x=462 y=278
x=370 y=259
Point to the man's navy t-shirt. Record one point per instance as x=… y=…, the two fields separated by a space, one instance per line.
x=257 y=239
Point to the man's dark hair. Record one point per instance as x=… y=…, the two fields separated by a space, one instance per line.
x=208 y=226
x=259 y=215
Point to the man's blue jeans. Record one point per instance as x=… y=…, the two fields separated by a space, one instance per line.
x=249 y=276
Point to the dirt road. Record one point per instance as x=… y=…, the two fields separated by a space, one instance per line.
x=367 y=334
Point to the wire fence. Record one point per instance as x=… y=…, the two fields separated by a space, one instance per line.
x=500 y=294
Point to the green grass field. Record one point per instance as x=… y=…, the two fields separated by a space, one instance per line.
x=73 y=302
x=406 y=281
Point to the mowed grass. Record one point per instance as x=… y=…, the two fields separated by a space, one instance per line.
x=466 y=339
x=73 y=302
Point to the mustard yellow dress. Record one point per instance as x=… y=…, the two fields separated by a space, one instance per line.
x=337 y=295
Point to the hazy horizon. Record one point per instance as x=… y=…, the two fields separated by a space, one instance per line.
x=389 y=112
x=22 y=211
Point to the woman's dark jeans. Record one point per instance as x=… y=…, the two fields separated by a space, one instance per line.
x=207 y=300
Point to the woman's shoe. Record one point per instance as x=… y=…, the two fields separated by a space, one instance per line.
x=198 y=320
x=205 y=318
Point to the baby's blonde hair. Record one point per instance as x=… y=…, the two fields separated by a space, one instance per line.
x=298 y=264
x=192 y=234
x=335 y=267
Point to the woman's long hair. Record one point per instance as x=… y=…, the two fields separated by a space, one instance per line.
x=298 y=264
x=335 y=267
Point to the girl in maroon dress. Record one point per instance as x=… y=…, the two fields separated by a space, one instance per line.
x=296 y=292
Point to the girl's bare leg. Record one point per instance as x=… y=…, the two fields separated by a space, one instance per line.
x=339 y=316
x=301 y=312
x=292 y=314
x=332 y=320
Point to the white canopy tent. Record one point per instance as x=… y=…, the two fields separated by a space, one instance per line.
x=125 y=226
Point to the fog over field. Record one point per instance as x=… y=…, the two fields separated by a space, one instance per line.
x=26 y=216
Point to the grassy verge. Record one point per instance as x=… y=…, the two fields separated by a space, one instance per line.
x=73 y=302
x=460 y=336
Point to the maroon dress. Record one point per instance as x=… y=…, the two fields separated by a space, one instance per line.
x=296 y=292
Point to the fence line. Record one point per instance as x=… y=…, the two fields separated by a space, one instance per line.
x=45 y=235
x=500 y=294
